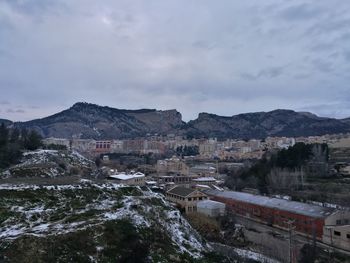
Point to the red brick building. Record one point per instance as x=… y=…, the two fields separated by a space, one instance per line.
x=304 y=218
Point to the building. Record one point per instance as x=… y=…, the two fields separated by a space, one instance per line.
x=207 y=148
x=57 y=141
x=186 y=198
x=305 y=218
x=337 y=236
x=103 y=146
x=204 y=180
x=336 y=231
x=136 y=179
x=204 y=170
x=173 y=165
x=175 y=179
x=211 y=208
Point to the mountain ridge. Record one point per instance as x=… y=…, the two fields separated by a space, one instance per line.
x=86 y=120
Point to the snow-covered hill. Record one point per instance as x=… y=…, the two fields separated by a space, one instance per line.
x=35 y=213
x=49 y=164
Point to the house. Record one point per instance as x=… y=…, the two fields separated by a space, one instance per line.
x=137 y=179
x=211 y=208
x=185 y=198
x=336 y=231
x=337 y=236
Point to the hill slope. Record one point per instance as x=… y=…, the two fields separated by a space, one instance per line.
x=263 y=124
x=85 y=120
x=93 y=223
x=6 y=122
x=92 y=121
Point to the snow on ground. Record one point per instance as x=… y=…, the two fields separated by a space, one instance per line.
x=255 y=256
x=179 y=232
x=40 y=152
x=138 y=209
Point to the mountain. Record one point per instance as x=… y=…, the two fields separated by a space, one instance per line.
x=264 y=124
x=86 y=120
x=346 y=121
x=6 y=122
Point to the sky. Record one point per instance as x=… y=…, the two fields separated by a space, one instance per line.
x=224 y=57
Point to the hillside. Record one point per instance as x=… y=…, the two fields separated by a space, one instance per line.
x=6 y=122
x=86 y=120
x=263 y=124
x=50 y=164
x=91 y=222
x=92 y=121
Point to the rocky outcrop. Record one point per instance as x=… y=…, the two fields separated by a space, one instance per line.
x=264 y=124
x=84 y=120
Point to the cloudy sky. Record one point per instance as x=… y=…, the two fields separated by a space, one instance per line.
x=224 y=57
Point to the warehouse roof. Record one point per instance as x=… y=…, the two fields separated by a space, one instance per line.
x=276 y=203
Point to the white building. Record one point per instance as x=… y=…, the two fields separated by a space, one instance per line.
x=129 y=179
x=211 y=208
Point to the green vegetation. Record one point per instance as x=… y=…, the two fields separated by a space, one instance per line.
x=70 y=224
x=264 y=175
x=13 y=142
x=187 y=150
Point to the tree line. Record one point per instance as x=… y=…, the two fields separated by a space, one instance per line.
x=187 y=150
x=14 y=141
x=286 y=162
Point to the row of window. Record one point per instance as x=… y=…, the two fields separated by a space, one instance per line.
x=103 y=146
x=344 y=222
x=337 y=233
x=188 y=199
x=196 y=198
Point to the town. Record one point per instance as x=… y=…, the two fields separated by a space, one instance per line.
x=191 y=174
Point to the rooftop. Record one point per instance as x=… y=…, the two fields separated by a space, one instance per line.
x=204 y=179
x=124 y=176
x=276 y=203
x=181 y=191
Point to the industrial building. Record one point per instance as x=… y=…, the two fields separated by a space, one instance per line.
x=305 y=219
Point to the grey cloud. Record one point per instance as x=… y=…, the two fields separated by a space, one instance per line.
x=204 y=44
x=323 y=66
x=271 y=73
x=226 y=58
x=302 y=12
x=15 y=111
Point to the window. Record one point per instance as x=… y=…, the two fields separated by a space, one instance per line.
x=348 y=236
x=337 y=233
x=338 y=222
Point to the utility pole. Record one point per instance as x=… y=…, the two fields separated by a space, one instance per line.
x=290 y=230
